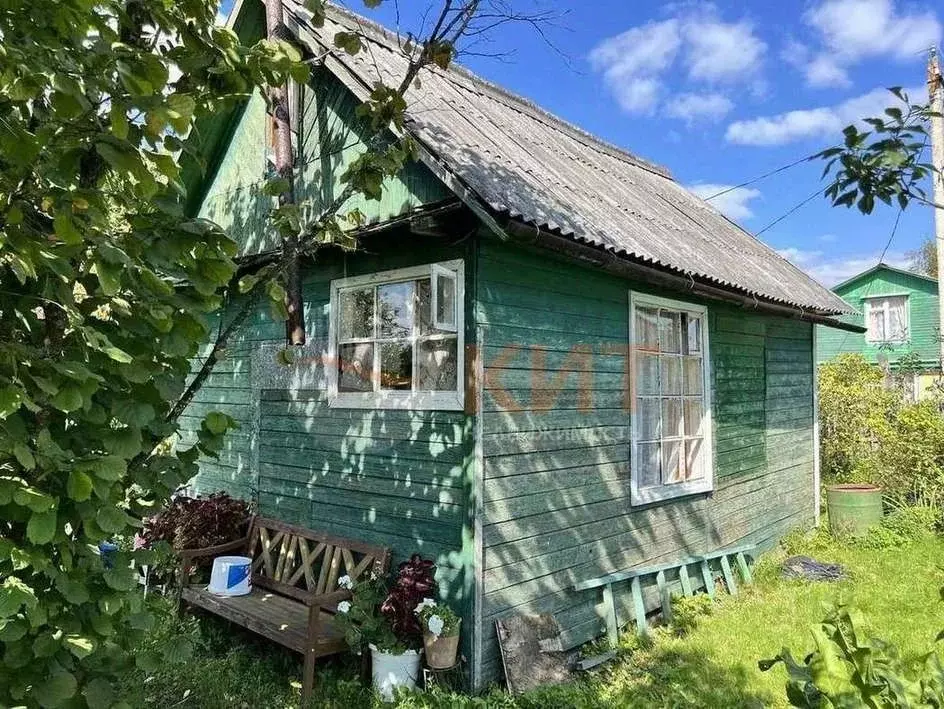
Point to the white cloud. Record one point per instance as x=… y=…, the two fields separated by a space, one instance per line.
x=812 y=122
x=691 y=107
x=854 y=29
x=848 y=31
x=830 y=270
x=721 y=51
x=734 y=203
x=697 y=44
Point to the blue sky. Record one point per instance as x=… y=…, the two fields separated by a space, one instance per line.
x=723 y=92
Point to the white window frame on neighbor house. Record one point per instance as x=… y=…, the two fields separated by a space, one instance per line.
x=664 y=491
x=451 y=327
x=882 y=301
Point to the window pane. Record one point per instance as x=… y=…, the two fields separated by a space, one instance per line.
x=357 y=314
x=694 y=377
x=647 y=374
x=694 y=460
x=671 y=375
x=446 y=300
x=395 y=308
x=355 y=367
x=649 y=459
x=694 y=334
x=876 y=323
x=672 y=462
x=396 y=365
x=671 y=418
x=437 y=361
x=648 y=411
x=669 y=332
x=694 y=413
x=646 y=329
x=897 y=327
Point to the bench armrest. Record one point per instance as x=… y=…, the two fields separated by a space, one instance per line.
x=329 y=601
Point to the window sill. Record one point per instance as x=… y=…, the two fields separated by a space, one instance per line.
x=433 y=401
x=652 y=495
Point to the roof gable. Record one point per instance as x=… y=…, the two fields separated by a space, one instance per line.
x=920 y=281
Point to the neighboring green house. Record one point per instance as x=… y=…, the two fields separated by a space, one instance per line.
x=899 y=311
x=548 y=362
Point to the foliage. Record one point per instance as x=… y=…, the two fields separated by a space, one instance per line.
x=106 y=292
x=414 y=582
x=902 y=527
x=855 y=409
x=437 y=619
x=884 y=163
x=361 y=620
x=198 y=523
x=686 y=611
x=909 y=464
x=848 y=670
x=923 y=259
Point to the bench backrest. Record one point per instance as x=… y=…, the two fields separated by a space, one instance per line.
x=301 y=563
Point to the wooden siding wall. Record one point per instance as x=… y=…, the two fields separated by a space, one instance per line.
x=923 y=330
x=398 y=478
x=331 y=139
x=556 y=477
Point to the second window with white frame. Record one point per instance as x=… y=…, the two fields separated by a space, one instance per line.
x=671 y=446
x=397 y=340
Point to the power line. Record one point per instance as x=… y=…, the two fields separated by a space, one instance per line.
x=790 y=211
x=760 y=177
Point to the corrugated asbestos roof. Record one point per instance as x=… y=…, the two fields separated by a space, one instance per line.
x=534 y=167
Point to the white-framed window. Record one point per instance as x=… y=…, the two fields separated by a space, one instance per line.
x=886 y=318
x=670 y=385
x=396 y=339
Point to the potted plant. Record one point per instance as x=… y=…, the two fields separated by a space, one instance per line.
x=440 y=633
x=380 y=618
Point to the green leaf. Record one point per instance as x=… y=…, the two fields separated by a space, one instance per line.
x=178 y=650
x=33 y=499
x=24 y=455
x=68 y=399
x=65 y=228
x=79 y=486
x=247 y=283
x=41 y=528
x=99 y=693
x=109 y=276
x=55 y=689
x=111 y=519
x=10 y=400
x=14 y=594
x=79 y=645
x=133 y=413
x=120 y=578
x=348 y=41
x=218 y=423
x=73 y=591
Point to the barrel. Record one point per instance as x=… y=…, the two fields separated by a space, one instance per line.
x=853 y=509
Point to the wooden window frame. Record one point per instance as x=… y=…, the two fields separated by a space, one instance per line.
x=663 y=492
x=868 y=303
x=417 y=400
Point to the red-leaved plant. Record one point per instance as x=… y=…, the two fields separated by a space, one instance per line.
x=198 y=522
x=413 y=583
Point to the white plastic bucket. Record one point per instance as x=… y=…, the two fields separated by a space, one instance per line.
x=392 y=671
x=231 y=576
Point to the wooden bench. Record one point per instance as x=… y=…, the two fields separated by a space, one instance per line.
x=680 y=568
x=295 y=592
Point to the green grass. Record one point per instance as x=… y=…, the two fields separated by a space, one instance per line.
x=713 y=665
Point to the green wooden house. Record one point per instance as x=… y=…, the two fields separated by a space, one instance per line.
x=899 y=311
x=547 y=362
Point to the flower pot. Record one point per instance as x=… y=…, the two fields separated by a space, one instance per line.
x=391 y=671
x=853 y=509
x=441 y=650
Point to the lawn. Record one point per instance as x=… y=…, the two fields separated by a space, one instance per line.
x=713 y=665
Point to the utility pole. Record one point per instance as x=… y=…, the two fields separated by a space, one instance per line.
x=936 y=104
x=284 y=165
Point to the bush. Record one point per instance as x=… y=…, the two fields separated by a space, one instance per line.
x=869 y=434
x=198 y=522
x=903 y=527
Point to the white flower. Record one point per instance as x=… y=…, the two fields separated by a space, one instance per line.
x=426 y=603
x=435 y=625
x=346 y=582
x=344 y=606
